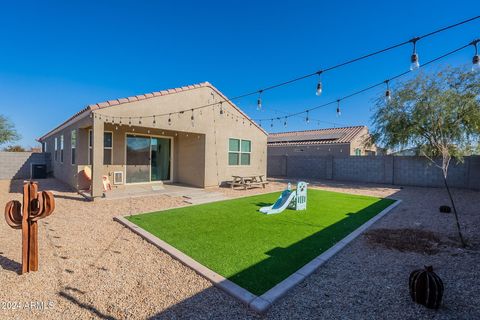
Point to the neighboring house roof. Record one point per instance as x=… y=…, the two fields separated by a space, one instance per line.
x=114 y=102
x=314 y=137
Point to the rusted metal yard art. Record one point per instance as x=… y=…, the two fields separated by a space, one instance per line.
x=36 y=205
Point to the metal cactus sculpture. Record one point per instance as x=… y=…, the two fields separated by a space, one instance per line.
x=36 y=205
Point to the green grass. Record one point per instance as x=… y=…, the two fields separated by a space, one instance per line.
x=254 y=250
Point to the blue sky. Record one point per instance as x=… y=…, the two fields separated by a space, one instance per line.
x=57 y=57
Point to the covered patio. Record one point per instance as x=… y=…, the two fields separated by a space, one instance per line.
x=136 y=158
x=189 y=135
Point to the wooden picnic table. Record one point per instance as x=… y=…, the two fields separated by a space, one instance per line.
x=248 y=181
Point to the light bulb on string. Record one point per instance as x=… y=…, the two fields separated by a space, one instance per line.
x=129 y=122
x=476 y=57
x=339 y=113
x=414 y=60
x=192 y=119
x=120 y=122
x=388 y=93
x=259 y=100
x=221 y=108
x=271 y=124
x=307 y=119
x=170 y=119
x=319 y=84
x=154 y=121
x=140 y=120
x=285 y=122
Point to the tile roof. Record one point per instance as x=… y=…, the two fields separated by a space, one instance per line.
x=114 y=102
x=313 y=137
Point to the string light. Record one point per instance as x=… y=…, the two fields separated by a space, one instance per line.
x=299 y=113
x=415 y=63
x=338 y=108
x=221 y=108
x=154 y=121
x=193 y=119
x=129 y=122
x=388 y=94
x=307 y=119
x=414 y=58
x=170 y=119
x=319 y=84
x=285 y=122
x=476 y=57
x=259 y=100
x=271 y=124
x=140 y=120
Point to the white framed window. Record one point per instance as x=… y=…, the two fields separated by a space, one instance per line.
x=61 y=148
x=107 y=147
x=358 y=152
x=73 y=145
x=239 y=152
x=56 y=149
x=90 y=146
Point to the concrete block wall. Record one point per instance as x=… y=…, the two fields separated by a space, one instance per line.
x=408 y=171
x=359 y=169
x=17 y=165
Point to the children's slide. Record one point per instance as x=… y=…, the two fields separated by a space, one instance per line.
x=295 y=199
x=281 y=204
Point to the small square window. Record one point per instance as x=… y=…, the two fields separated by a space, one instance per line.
x=233 y=159
x=245 y=159
x=234 y=145
x=246 y=146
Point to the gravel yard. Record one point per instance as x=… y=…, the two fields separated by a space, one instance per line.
x=92 y=267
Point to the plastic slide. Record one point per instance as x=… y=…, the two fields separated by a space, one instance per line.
x=281 y=204
x=294 y=199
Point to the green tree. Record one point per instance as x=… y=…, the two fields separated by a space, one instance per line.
x=14 y=148
x=7 y=131
x=437 y=113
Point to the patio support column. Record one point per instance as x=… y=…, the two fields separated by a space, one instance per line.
x=97 y=161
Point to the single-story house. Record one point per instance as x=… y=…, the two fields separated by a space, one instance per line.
x=190 y=135
x=346 y=141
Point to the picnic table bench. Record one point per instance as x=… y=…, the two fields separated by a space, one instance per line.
x=248 y=181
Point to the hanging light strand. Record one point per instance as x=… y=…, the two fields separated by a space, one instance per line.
x=374 y=85
x=341 y=64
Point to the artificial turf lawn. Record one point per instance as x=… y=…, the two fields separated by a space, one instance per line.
x=254 y=250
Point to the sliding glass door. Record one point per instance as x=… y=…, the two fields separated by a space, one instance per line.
x=160 y=155
x=147 y=159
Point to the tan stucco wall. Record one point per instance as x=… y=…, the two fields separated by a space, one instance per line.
x=65 y=171
x=360 y=142
x=200 y=151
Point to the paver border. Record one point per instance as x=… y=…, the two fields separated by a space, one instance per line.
x=259 y=304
